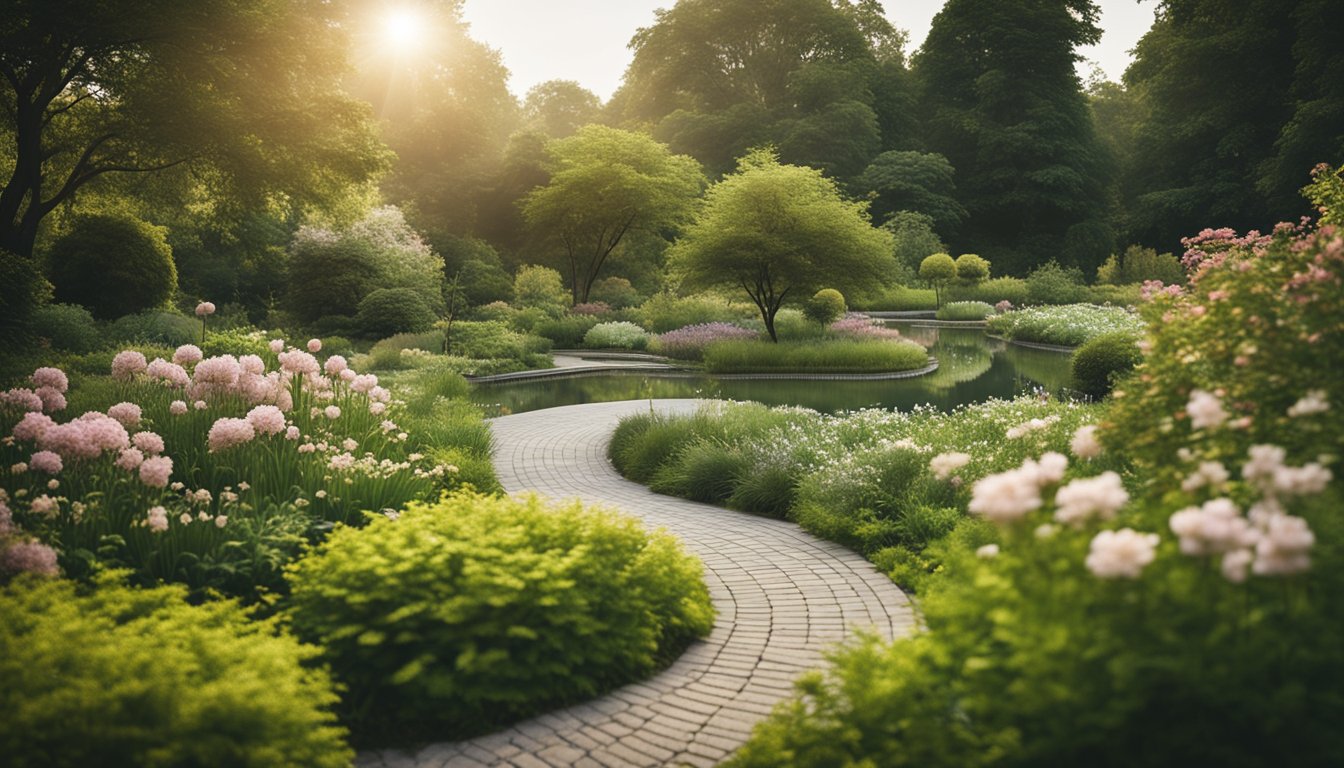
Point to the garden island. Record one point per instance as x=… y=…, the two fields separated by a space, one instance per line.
x=842 y=387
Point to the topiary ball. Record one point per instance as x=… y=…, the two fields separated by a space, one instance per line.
x=1097 y=363
x=113 y=265
x=825 y=307
x=389 y=311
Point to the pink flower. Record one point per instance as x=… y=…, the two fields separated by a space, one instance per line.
x=155 y=471
x=216 y=375
x=1205 y=410
x=332 y=412
x=157 y=519
x=944 y=464
x=364 y=383
x=227 y=433
x=46 y=461
x=127 y=364
x=252 y=364
x=45 y=505
x=130 y=459
x=334 y=365
x=128 y=414
x=187 y=354
x=348 y=375
x=292 y=433
x=200 y=405
x=298 y=362
x=277 y=346
x=32 y=425
x=29 y=557
x=314 y=345
x=205 y=309
x=1284 y=547
x=177 y=407
x=170 y=374
x=51 y=377
x=377 y=409
x=1121 y=554
x=148 y=442
x=266 y=420
x=23 y=398
x=52 y=399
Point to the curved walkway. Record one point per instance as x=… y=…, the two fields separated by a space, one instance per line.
x=782 y=596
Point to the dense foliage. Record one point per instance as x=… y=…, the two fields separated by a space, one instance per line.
x=465 y=614
x=113 y=265
x=1065 y=326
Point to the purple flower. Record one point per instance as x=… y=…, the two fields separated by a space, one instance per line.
x=29 y=557
x=690 y=342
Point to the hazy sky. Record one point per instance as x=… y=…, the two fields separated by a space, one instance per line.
x=585 y=40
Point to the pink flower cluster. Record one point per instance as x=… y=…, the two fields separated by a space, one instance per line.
x=689 y=342
x=591 y=308
x=227 y=433
x=861 y=326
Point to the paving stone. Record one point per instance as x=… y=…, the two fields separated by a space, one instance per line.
x=782 y=597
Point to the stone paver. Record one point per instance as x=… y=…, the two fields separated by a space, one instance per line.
x=783 y=597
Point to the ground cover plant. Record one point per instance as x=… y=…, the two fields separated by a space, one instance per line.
x=452 y=618
x=1067 y=326
x=837 y=356
x=1072 y=632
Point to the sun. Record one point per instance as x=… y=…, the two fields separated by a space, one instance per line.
x=404 y=30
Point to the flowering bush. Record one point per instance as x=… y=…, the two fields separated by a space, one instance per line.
x=1067 y=326
x=207 y=471
x=477 y=610
x=856 y=325
x=617 y=335
x=111 y=674
x=689 y=342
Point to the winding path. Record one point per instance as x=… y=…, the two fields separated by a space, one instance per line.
x=782 y=596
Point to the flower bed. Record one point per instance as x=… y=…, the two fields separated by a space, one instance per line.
x=839 y=356
x=1068 y=326
x=690 y=342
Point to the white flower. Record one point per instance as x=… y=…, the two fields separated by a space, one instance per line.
x=1045 y=531
x=1284 y=547
x=1084 y=444
x=1205 y=410
x=1210 y=473
x=221 y=521
x=1314 y=402
x=1216 y=526
x=944 y=464
x=1084 y=498
x=157 y=519
x=185 y=518
x=1121 y=554
x=1007 y=496
x=1265 y=460
x=1049 y=469
x=987 y=552
x=1235 y=564
x=1306 y=480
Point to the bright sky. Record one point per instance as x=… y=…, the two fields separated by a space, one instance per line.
x=585 y=40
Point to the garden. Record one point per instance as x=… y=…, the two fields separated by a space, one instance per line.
x=1022 y=343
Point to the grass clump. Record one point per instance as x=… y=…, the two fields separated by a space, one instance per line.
x=965 y=310
x=839 y=356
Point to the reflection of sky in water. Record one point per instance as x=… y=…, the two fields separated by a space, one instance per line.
x=972 y=368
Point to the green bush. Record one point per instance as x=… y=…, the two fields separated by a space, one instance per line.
x=825 y=307
x=172 y=329
x=1053 y=284
x=972 y=269
x=1118 y=295
x=703 y=470
x=565 y=332
x=238 y=343
x=22 y=290
x=617 y=335
x=463 y=615
x=900 y=299
x=965 y=310
x=1138 y=265
x=114 y=265
x=665 y=312
x=1098 y=363
x=490 y=340
x=483 y=282
x=938 y=270
x=617 y=292
x=837 y=356
x=540 y=288
x=67 y=327
x=1066 y=326
x=112 y=675
x=993 y=291
x=393 y=310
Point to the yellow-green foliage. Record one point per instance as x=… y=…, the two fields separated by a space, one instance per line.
x=478 y=610
x=111 y=675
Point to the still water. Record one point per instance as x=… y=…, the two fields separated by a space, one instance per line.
x=972 y=368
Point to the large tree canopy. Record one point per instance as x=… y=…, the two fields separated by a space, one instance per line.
x=913 y=181
x=718 y=77
x=245 y=93
x=1003 y=103
x=776 y=231
x=607 y=185
x=558 y=108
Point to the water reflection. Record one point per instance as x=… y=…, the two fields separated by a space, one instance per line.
x=972 y=368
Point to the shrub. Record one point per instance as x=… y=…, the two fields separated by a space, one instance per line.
x=1053 y=284
x=541 y=288
x=992 y=291
x=114 y=265
x=1118 y=295
x=483 y=283
x=239 y=343
x=665 y=312
x=915 y=239
x=475 y=611
x=565 y=332
x=393 y=310
x=972 y=269
x=839 y=356
x=965 y=310
x=67 y=327
x=139 y=677
x=937 y=270
x=618 y=335
x=1099 y=362
x=22 y=290
x=859 y=326
x=1067 y=326
x=171 y=329
x=615 y=291
x=825 y=307
x=1139 y=265
x=495 y=340
x=591 y=308
x=703 y=470
x=689 y=343
x=902 y=298
x=495 y=310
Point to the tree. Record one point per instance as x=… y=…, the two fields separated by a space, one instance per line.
x=558 y=108
x=244 y=93
x=1002 y=102
x=971 y=269
x=914 y=239
x=606 y=185
x=938 y=270
x=775 y=231
x=913 y=181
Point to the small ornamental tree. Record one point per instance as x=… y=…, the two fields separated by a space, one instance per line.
x=971 y=269
x=937 y=270
x=773 y=231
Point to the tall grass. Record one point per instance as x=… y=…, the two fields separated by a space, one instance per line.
x=839 y=356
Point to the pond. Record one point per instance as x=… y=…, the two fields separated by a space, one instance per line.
x=972 y=368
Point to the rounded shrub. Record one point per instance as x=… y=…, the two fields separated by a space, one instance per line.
x=615 y=291
x=1052 y=284
x=618 y=335
x=972 y=269
x=540 y=288
x=172 y=329
x=462 y=615
x=22 y=290
x=139 y=677
x=66 y=327
x=114 y=265
x=1097 y=363
x=825 y=307
x=388 y=311
x=565 y=332
x=965 y=310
